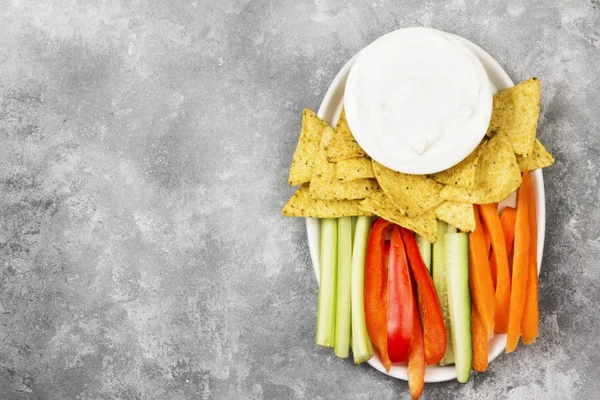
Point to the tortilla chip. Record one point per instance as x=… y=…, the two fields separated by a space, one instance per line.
x=498 y=175
x=302 y=205
x=352 y=169
x=515 y=113
x=379 y=204
x=463 y=173
x=324 y=184
x=413 y=194
x=344 y=146
x=308 y=145
x=539 y=158
x=459 y=215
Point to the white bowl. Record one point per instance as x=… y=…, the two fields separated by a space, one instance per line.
x=389 y=71
x=329 y=111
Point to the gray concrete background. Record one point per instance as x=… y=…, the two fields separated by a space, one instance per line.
x=144 y=149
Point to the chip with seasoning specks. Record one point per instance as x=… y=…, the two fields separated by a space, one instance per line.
x=539 y=158
x=412 y=194
x=459 y=215
x=352 y=169
x=462 y=174
x=515 y=113
x=302 y=205
x=345 y=146
x=379 y=204
x=498 y=175
x=324 y=183
x=308 y=146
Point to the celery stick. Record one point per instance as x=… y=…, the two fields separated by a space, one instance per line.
x=326 y=309
x=439 y=280
x=354 y=219
x=344 y=271
x=459 y=302
x=361 y=344
x=425 y=250
x=451 y=229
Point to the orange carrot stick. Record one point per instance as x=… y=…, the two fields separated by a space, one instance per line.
x=488 y=242
x=508 y=218
x=480 y=277
x=488 y=246
x=492 y=225
x=480 y=341
x=493 y=269
x=520 y=267
x=531 y=313
x=488 y=238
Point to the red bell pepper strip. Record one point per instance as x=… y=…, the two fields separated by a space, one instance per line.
x=400 y=301
x=386 y=253
x=376 y=289
x=416 y=360
x=434 y=331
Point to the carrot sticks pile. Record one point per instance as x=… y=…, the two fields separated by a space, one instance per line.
x=503 y=274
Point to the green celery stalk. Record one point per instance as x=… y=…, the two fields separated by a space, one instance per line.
x=459 y=302
x=362 y=348
x=344 y=271
x=425 y=250
x=354 y=219
x=326 y=308
x=440 y=274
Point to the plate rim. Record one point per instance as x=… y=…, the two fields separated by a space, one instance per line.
x=329 y=111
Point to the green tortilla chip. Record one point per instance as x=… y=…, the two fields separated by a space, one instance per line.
x=539 y=158
x=459 y=215
x=352 y=169
x=302 y=205
x=324 y=184
x=308 y=145
x=498 y=175
x=379 y=204
x=412 y=194
x=463 y=173
x=344 y=146
x=515 y=113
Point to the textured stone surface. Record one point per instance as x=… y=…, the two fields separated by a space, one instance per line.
x=144 y=149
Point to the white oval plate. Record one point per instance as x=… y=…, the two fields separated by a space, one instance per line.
x=329 y=112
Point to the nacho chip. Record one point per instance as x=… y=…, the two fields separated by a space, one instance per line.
x=515 y=113
x=459 y=215
x=413 y=194
x=302 y=205
x=324 y=184
x=463 y=173
x=344 y=146
x=498 y=175
x=539 y=158
x=379 y=204
x=308 y=145
x=352 y=169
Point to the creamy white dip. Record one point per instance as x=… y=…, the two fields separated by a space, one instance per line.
x=418 y=100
